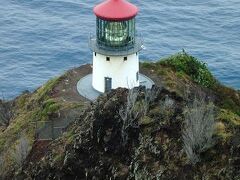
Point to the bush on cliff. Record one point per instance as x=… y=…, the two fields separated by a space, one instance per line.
x=199 y=129
x=187 y=64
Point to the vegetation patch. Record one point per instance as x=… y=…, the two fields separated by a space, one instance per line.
x=49 y=107
x=148 y=65
x=184 y=63
x=28 y=110
x=229 y=117
x=199 y=129
x=44 y=91
x=221 y=131
x=228 y=98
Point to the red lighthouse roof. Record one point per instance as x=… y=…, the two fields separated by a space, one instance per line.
x=116 y=10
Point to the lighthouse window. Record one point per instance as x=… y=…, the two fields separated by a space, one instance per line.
x=125 y=58
x=107 y=58
x=95 y=54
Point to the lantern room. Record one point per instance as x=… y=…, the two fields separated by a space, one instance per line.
x=115 y=50
x=115 y=33
x=116 y=23
x=115 y=28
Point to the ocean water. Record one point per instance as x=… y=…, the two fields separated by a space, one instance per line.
x=40 y=39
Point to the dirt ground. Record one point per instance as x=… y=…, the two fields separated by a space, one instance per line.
x=67 y=88
x=155 y=78
x=39 y=149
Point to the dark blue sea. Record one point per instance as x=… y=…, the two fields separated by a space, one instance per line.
x=40 y=39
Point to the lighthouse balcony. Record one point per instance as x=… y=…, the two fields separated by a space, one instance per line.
x=102 y=47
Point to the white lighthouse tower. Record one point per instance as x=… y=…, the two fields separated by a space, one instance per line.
x=115 y=46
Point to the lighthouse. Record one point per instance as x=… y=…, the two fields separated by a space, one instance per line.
x=115 y=46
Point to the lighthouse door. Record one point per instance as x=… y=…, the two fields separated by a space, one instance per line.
x=108 y=84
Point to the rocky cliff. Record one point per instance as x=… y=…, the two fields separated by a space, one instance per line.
x=185 y=127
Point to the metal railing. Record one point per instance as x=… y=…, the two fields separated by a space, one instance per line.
x=129 y=48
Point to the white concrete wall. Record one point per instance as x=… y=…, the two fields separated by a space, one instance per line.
x=123 y=73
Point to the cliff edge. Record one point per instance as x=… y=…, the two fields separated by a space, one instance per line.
x=186 y=127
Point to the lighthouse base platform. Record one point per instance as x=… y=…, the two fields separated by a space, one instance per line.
x=85 y=89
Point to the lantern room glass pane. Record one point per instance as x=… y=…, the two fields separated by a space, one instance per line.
x=115 y=33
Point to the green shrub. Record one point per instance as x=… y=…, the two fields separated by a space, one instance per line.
x=50 y=106
x=148 y=65
x=187 y=64
x=43 y=92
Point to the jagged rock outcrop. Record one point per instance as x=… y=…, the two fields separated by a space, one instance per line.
x=154 y=148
